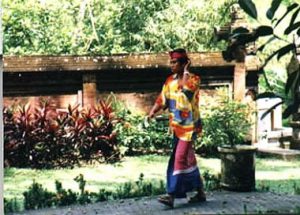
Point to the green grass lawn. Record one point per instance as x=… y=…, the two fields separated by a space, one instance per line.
x=277 y=175
x=280 y=176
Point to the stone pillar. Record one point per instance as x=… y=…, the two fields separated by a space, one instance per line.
x=239 y=81
x=89 y=89
x=79 y=98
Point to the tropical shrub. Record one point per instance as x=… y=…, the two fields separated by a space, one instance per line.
x=138 y=136
x=228 y=124
x=225 y=122
x=44 y=137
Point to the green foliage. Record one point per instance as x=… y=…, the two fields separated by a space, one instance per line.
x=139 y=188
x=11 y=205
x=221 y=119
x=263 y=187
x=103 y=195
x=81 y=183
x=296 y=189
x=110 y=26
x=38 y=197
x=135 y=136
x=275 y=80
x=291 y=13
x=211 y=182
x=227 y=124
x=64 y=197
x=138 y=136
x=37 y=27
x=248 y=7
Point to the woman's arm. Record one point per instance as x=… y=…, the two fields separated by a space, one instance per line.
x=161 y=101
x=156 y=107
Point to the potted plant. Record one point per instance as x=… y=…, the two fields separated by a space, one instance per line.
x=230 y=130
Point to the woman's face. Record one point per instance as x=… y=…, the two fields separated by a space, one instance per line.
x=176 y=66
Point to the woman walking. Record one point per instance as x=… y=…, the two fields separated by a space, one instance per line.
x=180 y=94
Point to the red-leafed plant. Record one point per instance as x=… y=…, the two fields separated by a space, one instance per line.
x=18 y=138
x=43 y=137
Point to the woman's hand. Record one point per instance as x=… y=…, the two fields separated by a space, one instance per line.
x=154 y=110
x=150 y=115
x=187 y=67
x=186 y=72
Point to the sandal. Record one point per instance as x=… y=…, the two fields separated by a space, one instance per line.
x=197 y=198
x=166 y=200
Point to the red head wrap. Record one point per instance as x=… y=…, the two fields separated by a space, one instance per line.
x=177 y=55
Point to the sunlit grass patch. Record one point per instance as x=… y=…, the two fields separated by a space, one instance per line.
x=278 y=175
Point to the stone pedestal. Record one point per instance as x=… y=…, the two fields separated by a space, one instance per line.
x=295 y=124
x=238 y=168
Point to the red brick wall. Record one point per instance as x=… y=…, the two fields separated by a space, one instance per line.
x=136 y=102
x=61 y=101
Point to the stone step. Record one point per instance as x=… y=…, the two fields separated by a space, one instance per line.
x=277 y=136
x=280 y=132
x=273 y=150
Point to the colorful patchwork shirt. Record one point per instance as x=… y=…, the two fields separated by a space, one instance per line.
x=183 y=105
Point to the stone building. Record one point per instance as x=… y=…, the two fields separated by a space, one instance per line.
x=135 y=79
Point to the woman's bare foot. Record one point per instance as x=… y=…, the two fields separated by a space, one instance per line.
x=167 y=200
x=199 y=197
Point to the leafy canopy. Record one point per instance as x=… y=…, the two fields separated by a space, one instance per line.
x=110 y=26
